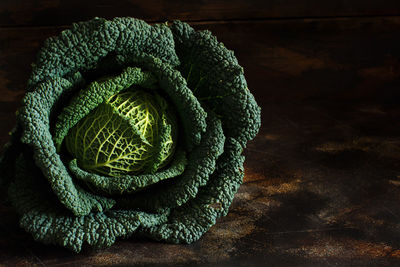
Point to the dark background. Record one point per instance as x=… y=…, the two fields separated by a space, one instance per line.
x=322 y=183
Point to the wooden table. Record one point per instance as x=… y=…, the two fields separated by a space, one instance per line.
x=322 y=178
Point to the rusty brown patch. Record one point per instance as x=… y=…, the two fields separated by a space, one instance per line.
x=252 y=198
x=22 y=263
x=395 y=254
x=383 y=147
x=390 y=70
x=271 y=137
x=395 y=182
x=343 y=248
x=129 y=254
x=283 y=188
x=368 y=249
x=219 y=243
x=352 y=217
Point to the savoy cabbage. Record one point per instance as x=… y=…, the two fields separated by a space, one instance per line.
x=128 y=129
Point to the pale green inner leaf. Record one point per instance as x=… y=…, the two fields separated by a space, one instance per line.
x=119 y=137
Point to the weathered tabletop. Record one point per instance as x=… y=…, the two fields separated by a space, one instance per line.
x=322 y=178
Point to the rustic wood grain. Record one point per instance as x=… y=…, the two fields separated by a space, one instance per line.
x=322 y=187
x=285 y=60
x=322 y=182
x=52 y=13
x=336 y=59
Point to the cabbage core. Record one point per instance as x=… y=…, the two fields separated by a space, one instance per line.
x=132 y=132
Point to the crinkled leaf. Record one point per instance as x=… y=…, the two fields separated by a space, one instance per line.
x=96 y=93
x=208 y=80
x=217 y=80
x=49 y=222
x=82 y=46
x=33 y=119
x=201 y=164
x=189 y=109
x=190 y=221
x=129 y=183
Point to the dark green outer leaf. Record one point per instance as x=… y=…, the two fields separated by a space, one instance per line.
x=82 y=46
x=50 y=223
x=217 y=80
x=190 y=221
x=33 y=118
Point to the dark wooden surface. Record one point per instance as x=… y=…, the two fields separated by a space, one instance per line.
x=322 y=178
x=44 y=13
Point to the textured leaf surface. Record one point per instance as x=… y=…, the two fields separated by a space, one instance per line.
x=49 y=222
x=201 y=164
x=191 y=113
x=96 y=93
x=33 y=118
x=189 y=222
x=129 y=183
x=217 y=115
x=217 y=80
x=126 y=134
x=82 y=46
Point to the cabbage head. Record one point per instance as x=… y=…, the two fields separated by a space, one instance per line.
x=128 y=129
x=129 y=133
